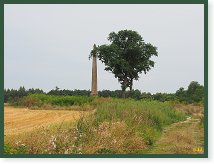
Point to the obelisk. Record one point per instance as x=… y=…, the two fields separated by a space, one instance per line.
x=94 y=73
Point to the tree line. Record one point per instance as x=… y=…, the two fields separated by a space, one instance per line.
x=193 y=94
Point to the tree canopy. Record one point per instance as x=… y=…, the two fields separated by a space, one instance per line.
x=126 y=56
x=194 y=93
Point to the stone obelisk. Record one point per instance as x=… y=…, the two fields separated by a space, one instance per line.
x=94 y=73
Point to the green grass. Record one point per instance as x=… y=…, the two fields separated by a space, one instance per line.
x=37 y=100
x=153 y=113
x=144 y=119
x=119 y=126
x=21 y=149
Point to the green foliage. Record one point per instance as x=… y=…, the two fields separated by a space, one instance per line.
x=145 y=118
x=194 y=93
x=117 y=126
x=28 y=101
x=164 y=97
x=65 y=92
x=127 y=56
x=135 y=94
x=8 y=149
x=201 y=123
x=19 y=149
x=41 y=99
x=146 y=96
x=105 y=151
x=11 y=95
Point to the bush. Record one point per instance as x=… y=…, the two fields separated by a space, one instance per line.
x=37 y=100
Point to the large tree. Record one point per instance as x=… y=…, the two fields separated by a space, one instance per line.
x=126 y=56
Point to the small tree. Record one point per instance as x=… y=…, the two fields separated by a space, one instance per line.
x=195 y=92
x=126 y=57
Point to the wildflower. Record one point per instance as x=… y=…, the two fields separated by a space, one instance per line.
x=17 y=143
x=54 y=145
x=52 y=142
x=66 y=151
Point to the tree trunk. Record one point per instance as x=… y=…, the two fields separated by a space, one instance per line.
x=124 y=95
x=124 y=86
x=131 y=84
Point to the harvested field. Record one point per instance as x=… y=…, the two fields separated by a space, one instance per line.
x=18 y=120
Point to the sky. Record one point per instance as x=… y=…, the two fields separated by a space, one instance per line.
x=48 y=45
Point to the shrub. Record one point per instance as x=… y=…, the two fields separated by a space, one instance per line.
x=40 y=99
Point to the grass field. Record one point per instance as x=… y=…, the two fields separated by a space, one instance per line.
x=116 y=126
x=18 y=120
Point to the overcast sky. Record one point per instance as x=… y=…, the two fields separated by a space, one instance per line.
x=48 y=45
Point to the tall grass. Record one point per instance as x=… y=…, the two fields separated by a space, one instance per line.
x=155 y=113
x=119 y=126
x=132 y=125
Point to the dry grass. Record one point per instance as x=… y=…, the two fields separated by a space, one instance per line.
x=85 y=107
x=113 y=137
x=177 y=141
x=18 y=120
x=54 y=139
x=190 y=109
x=116 y=127
x=183 y=137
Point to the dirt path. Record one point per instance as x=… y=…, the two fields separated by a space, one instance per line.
x=17 y=120
x=185 y=137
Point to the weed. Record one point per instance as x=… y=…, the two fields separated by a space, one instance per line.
x=121 y=126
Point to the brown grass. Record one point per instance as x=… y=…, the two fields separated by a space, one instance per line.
x=104 y=99
x=113 y=137
x=190 y=109
x=18 y=120
x=183 y=137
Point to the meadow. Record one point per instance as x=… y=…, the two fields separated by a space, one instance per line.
x=112 y=126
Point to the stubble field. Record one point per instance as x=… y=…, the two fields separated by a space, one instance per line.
x=18 y=120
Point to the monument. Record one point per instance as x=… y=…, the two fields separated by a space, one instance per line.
x=94 y=72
